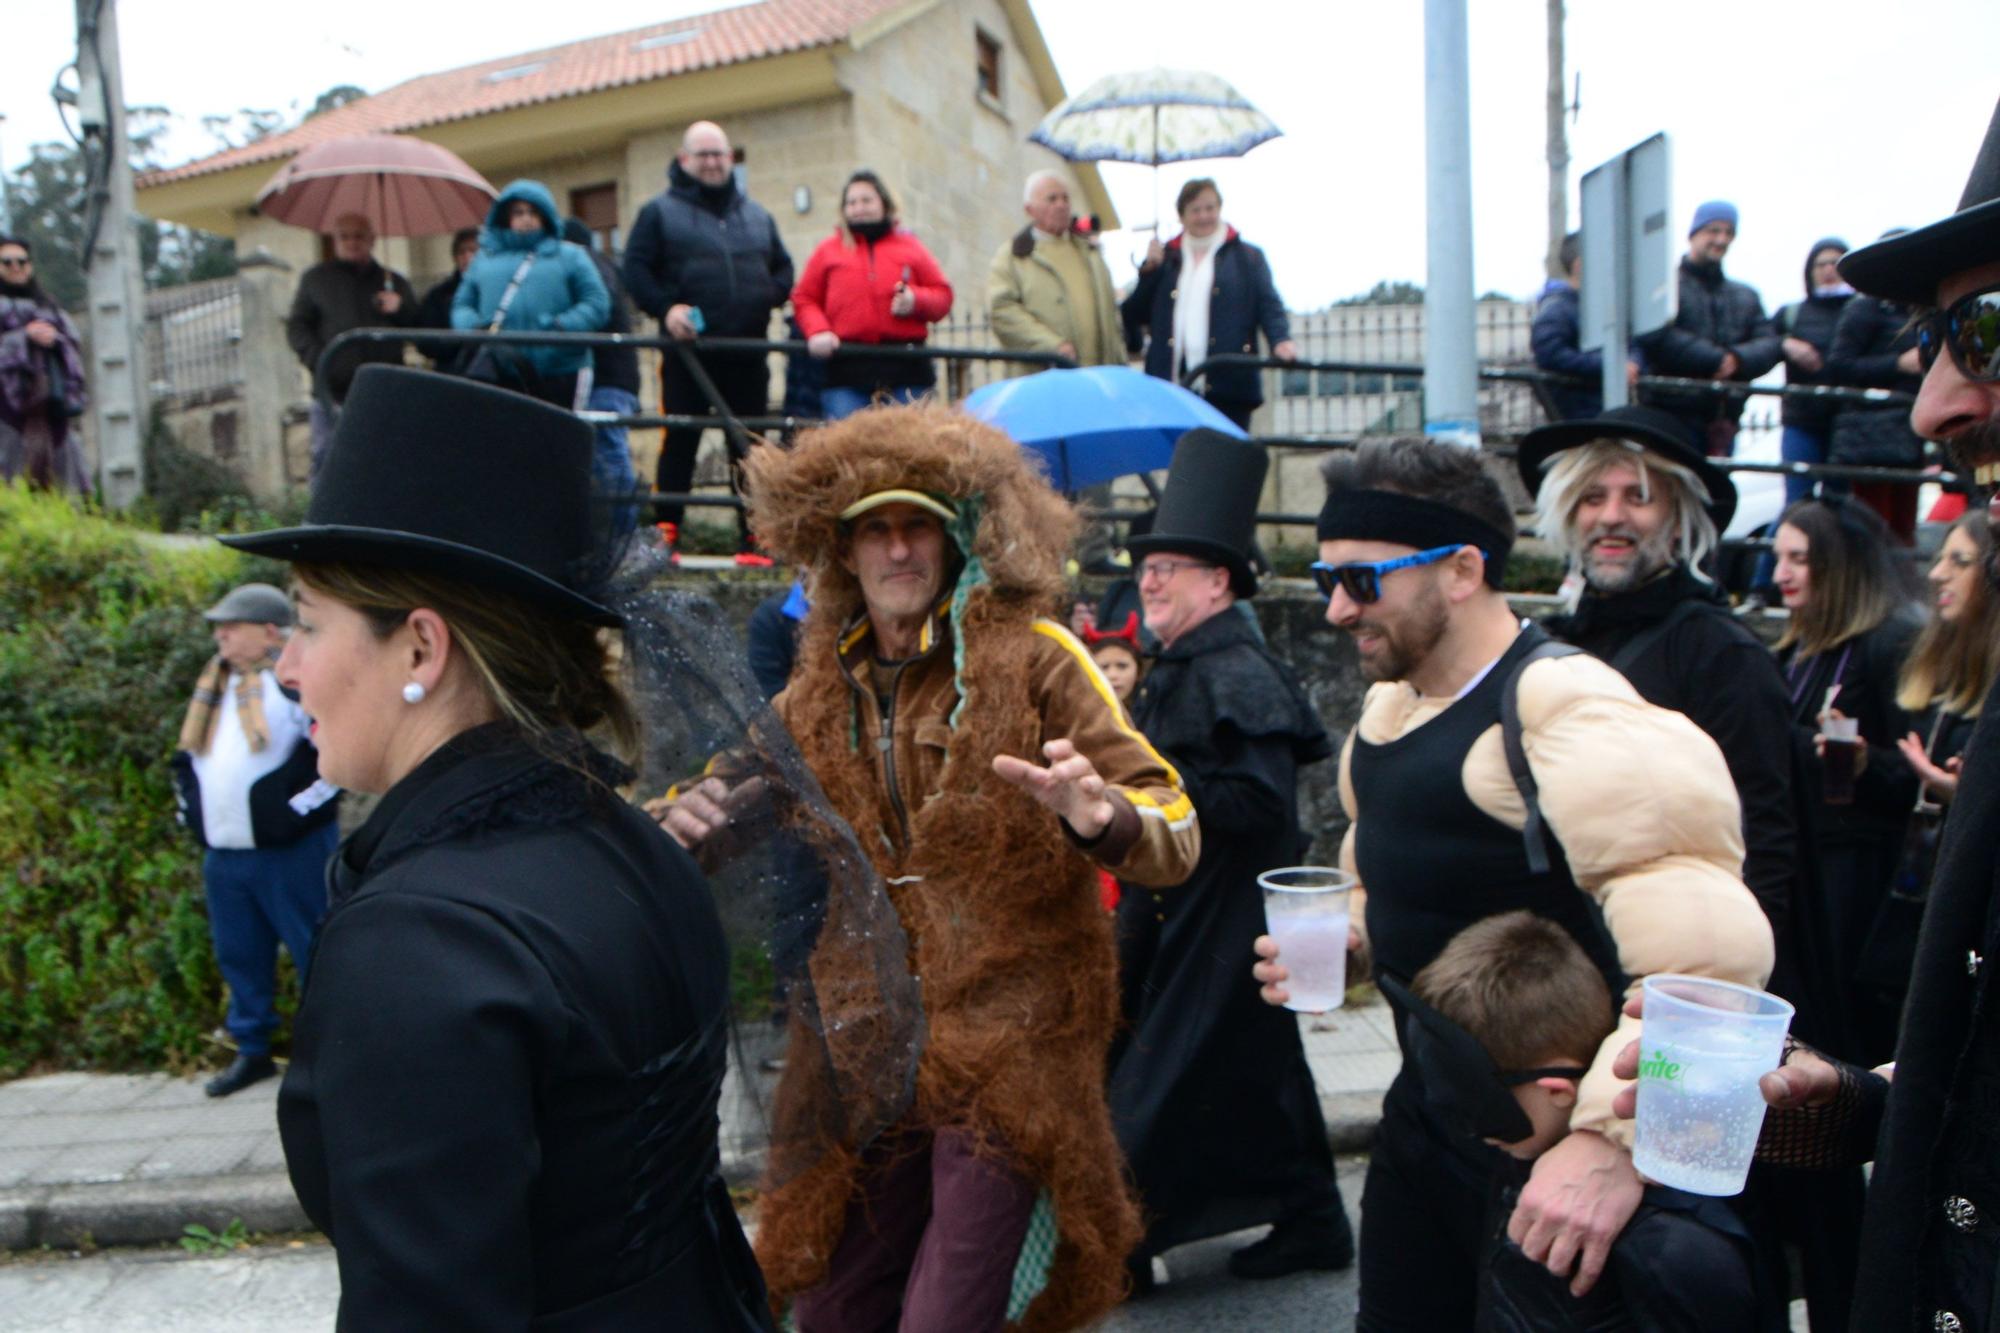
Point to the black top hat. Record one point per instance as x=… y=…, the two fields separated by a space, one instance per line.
x=441 y=475
x=1658 y=431
x=1209 y=507
x=1908 y=268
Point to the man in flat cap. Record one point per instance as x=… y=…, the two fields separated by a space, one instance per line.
x=248 y=785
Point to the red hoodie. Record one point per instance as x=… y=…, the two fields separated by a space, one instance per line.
x=848 y=284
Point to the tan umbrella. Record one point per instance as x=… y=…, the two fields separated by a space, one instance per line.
x=403 y=186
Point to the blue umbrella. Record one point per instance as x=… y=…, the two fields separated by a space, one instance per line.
x=1094 y=424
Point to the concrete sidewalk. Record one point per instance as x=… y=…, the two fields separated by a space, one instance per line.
x=125 y=1159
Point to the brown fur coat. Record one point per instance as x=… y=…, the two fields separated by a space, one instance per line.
x=1017 y=963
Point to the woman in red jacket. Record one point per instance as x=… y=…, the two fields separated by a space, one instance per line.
x=870 y=282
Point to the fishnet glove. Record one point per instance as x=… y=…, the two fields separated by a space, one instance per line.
x=1839 y=1134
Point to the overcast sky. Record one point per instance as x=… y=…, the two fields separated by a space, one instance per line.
x=1829 y=116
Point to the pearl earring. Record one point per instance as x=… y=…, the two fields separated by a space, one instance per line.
x=413 y=693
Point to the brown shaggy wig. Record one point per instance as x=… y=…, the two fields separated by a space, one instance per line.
x=1954 y=662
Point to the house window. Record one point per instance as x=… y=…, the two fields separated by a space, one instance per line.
x=596 y=207
x=989 y=63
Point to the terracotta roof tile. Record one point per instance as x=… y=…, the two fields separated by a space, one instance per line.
x=661 y=50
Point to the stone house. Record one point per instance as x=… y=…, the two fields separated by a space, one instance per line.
x=936 y=95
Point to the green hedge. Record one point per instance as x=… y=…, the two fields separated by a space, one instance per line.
x=104 y=954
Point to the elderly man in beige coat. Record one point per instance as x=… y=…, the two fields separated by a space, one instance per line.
x=1633 y=844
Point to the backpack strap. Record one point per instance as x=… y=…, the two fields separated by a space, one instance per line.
x=1534 y=835
x=1642 y=643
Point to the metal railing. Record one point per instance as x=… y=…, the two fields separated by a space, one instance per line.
x=194 y=340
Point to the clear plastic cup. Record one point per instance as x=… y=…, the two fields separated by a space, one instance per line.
x=1840 y=757
x=1305 y=909
x=1703 y=1046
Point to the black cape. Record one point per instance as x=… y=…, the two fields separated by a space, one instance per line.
x=1211 y=1097
x=501 y=1106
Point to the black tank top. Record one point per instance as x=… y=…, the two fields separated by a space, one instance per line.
x=1432 y=861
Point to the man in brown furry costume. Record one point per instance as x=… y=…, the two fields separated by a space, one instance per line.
x=927 y=667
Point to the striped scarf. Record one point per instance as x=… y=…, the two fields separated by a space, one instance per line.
x=199 y=725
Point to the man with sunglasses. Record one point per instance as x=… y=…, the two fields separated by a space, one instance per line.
x=1634 y=848
x=1930 y=1255
x=1211 y=1097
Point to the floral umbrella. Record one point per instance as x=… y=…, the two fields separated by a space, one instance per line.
x=1154 y=116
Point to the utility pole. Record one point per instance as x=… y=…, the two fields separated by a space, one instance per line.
x=6 y=209
x=118 y=392
x=1558 y=149
x=1451 y=352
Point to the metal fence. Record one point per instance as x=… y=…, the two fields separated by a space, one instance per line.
x=194 y=338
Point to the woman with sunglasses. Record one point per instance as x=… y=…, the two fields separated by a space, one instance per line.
x=1851 y=594
x=1875 y=347
x=41 y=379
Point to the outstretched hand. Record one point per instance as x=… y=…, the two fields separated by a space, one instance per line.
x=1070 y=786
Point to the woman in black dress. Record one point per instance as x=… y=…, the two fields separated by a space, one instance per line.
x=501 y=1105
x=1851 y=593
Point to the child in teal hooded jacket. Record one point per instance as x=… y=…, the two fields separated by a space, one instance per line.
x=561 y=289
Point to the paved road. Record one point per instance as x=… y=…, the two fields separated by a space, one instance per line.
x=284 y=1289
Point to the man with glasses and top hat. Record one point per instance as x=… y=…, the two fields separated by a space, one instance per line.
x=1930 y=1253
x=1614 y=818
x=1629 y=500
x=1211 y=1096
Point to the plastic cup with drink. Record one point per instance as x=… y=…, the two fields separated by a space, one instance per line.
x=1704 y=1045
x=1840 y=752
x=1305 y=909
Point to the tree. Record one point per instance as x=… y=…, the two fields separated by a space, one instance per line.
x=333 y=99
x=1388 y=293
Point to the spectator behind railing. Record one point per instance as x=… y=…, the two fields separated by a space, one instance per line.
x=1235 y=300
x=1720 y=333
x=614 y=386
x=526 y=277
x=41 y=380
x=872 y=282
x=1875 y=347
x=1557 y=338
x=434 y=311
x=352 y=290
x=706 y=258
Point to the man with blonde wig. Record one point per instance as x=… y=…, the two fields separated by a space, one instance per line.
x=1634 y=506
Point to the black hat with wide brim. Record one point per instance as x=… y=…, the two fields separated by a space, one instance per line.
x=439 y=475
x=1209 y=506
x=1651 y=428
x=1909 y=267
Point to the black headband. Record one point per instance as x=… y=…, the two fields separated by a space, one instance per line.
x=1410 y=520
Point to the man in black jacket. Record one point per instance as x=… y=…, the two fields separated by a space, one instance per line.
x=434 y=311
x=707 y=259
x=1557 y=339
x=1720 y=333
x=352 y=290
x=1211 y=1097
x=1930 y=1257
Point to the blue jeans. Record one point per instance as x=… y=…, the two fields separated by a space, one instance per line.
x=257 y=897
x=1797 y=445
x=611 y=470
x=837 y=400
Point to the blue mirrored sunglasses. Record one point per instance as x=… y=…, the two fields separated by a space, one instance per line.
x=1362 y=580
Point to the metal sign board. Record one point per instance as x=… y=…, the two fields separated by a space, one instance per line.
x=1630 y=283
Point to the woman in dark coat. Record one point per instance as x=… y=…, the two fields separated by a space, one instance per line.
x=41 y=380
x=501 y=1106
x=1853 y=614
x=1208 y=256
x=1875 y=347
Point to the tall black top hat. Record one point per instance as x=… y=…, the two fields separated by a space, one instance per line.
x=1657 y=431
x=1908 y=268
x=440 y=475
x=1209 y=507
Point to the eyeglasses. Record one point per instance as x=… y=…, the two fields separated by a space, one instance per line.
x=1166 y=569
x=1362 y=580
x=1970 y=329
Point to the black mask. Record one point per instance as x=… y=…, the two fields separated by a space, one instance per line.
x=1461 y=1082
x=870 y=231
